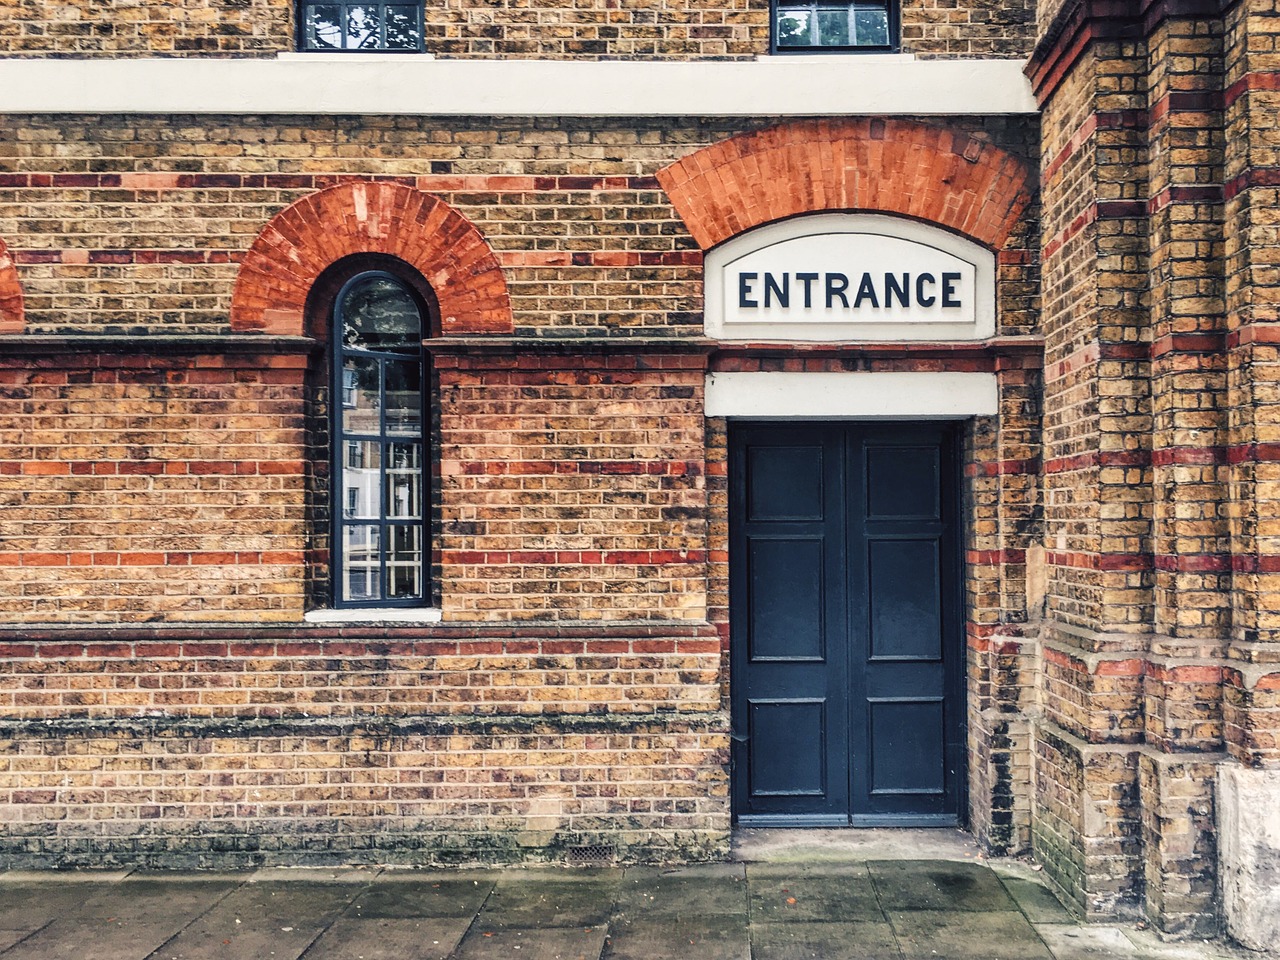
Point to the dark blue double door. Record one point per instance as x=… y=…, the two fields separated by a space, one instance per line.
x=847 y=652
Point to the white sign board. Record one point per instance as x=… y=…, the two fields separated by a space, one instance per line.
x=846 y=276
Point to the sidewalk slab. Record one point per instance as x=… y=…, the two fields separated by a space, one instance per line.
x=563 y=943
x=439 y=895
x=1070 y=942
x=152 y=898
x=543 y=899
x=84 y=939
x=703 y=893
x=792 y=893
x=938 y=885
x=712 y=938
x=826 y=941
x=389 y=939
x=967 y=935
x=1035 y=901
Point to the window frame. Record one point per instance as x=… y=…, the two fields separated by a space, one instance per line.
x=300 y=27
x=893 y=10
x=338 y=440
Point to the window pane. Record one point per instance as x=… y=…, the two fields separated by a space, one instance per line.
x=402 y=28
x=363 y=27
x=792 y=28
x=323 y=26
x=360 y=405
x=404 y=562
x=360 y=479
x=404 y=398
x=361 y=559
x=378 y=312
x=404 y=481
x=833 y=26
x=871 y=27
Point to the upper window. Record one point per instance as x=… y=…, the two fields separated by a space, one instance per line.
x=825 y=25
x=378 y=481
x=360 y=27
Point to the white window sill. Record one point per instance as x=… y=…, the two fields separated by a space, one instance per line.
x=386 y=615
x=417 y=85
x=323 y=57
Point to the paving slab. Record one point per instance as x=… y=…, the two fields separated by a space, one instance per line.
x=1070 y=942
x=823 y=941
x=541 y=899
x=709 y=938
x=315 y=874
x=389 y=939
x=155 y=898
x=842 y=845
x=1147 y=943
x=271 y=920
x=9 y=937
x=245 y=942
x=795 y=893
x=84 y=939
x=938 y=885
x=1036 y=901
x=289 y=903
x=430 y=895
x=702 y=892
x=64 y=878
x=33 y=904
x=564 y=943
x=964 y=934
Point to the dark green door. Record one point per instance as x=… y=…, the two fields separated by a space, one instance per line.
x=846 y=641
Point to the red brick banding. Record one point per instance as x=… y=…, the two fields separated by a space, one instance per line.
x=871 y=165
x=11 y=314
x=370 y=217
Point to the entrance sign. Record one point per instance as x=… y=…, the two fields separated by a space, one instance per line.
x=849 y=276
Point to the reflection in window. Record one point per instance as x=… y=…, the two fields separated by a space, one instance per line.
x=361 y=26
x=379 y=479
x=833 y=26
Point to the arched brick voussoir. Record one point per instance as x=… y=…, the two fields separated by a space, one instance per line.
x=870 y=164
x=12 y=319
x=305 y=238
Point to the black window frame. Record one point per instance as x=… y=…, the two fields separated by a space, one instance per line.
x=338 y=438
x=300 y=15
x=893 y=10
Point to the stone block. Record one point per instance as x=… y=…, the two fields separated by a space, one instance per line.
x=1249 y=854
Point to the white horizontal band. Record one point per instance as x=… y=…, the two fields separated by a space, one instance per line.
x=832 y=396
x=830 y=85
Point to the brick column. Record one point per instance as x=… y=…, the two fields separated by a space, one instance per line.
x=1097 y=422
x=1249 y=782
x=1191 y=543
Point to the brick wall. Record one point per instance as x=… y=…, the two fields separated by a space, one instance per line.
x=143 y=487
x=585 y=235
x=575 y=693
x=1157 y=383
x=672 y=29
x=572 y=486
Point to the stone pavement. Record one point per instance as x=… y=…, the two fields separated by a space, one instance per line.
x=787 y=895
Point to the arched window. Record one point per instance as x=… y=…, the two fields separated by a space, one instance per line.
x=379 y=492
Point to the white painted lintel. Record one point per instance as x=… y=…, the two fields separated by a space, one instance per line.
x=856 y=395
x=422 y=86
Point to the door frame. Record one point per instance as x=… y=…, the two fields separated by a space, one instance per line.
x=955 y=659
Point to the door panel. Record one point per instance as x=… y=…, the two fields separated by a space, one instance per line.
x=777 y=768
x=904 y=593
x=846 y=648
x=914 y=765
x=785 y=582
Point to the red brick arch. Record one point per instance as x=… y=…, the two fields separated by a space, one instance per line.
x=886 y=166
x=12 y=317
x=370 y=217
